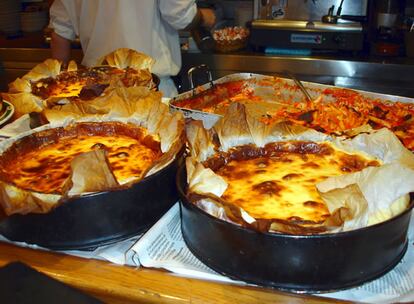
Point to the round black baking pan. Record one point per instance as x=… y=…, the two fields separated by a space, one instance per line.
x=299 y=263
x=101 y=218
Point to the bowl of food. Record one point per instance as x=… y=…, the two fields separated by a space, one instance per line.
x=230 y=38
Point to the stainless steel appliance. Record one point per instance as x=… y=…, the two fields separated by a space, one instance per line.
x=306 y=24
x=388 y=38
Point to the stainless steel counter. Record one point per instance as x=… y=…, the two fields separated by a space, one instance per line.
x=394 y=76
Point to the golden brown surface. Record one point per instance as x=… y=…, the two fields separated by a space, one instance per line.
x=51 y=83
x=42 y=162
x=278 y=181
x=121 y=284
x=88 y=83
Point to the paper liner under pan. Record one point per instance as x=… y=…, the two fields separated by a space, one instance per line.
x=101 y=218
x=299 y=263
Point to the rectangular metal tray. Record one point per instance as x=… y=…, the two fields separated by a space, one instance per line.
x=269 y=94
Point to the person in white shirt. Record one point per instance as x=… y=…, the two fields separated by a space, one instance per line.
x=147 y=26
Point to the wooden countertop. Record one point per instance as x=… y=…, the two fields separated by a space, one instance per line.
x=123 y=284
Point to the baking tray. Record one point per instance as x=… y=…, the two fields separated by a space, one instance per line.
x=267 y=93
x=100 y=218
x=298 y=263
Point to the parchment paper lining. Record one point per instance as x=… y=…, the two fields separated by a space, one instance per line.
x=369 y=196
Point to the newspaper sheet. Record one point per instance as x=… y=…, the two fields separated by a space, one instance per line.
x=117 y=253
x=163 y=247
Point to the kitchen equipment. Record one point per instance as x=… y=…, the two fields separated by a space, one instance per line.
x=331 y=18
x=387 y=35
x=387 y=13
x=301 y=26
x=292 y=34
x=204 y=68
x=300 y=263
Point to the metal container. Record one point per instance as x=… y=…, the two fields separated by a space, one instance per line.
x=100 y=218
x=266 y=92
x=209 y=119
x=300 y=263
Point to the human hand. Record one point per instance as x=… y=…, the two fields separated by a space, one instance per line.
x=208 y=17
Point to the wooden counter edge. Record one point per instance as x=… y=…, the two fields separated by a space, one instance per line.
x=123 y=284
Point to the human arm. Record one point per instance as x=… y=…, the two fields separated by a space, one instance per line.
x=208 y=17
x=205 y=17
x=60 y=47
x=63 y=31
x=184 y=14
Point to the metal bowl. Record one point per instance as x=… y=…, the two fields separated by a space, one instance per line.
x=100 y=218
x=300 y=263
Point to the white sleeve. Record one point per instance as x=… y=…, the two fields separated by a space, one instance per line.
x=60 y=21
x=178 y=13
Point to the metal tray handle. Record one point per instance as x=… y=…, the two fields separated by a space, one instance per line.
x=204 y=68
